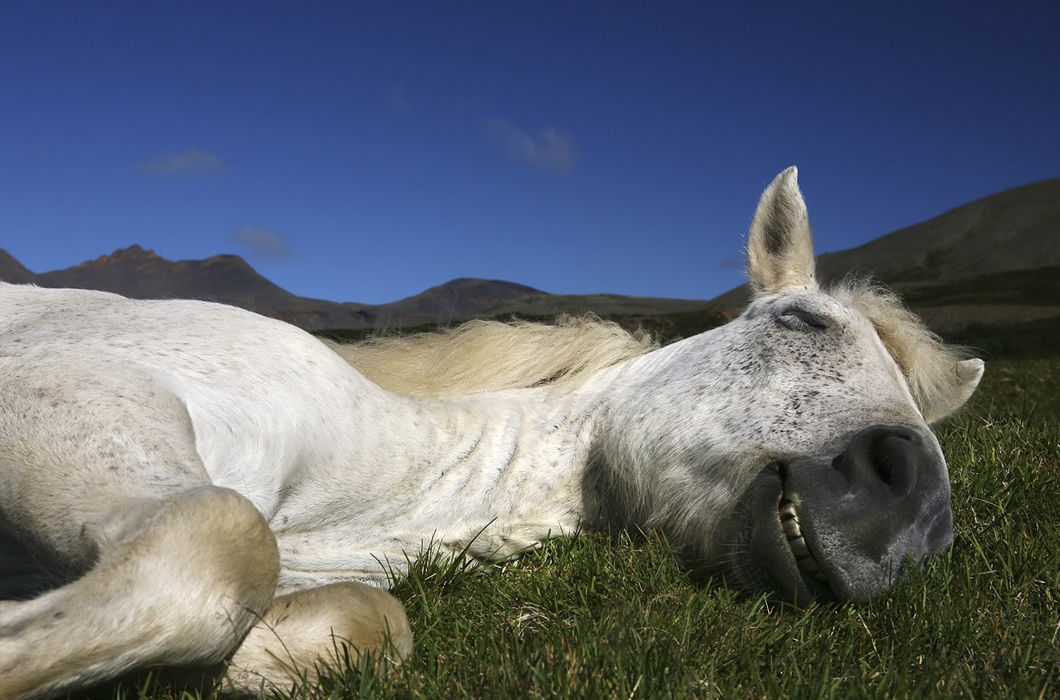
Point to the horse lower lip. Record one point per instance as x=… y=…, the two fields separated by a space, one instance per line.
x=804 y=559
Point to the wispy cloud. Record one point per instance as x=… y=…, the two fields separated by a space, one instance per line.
x=192 y=161
x=548 y=149
x=263 y=241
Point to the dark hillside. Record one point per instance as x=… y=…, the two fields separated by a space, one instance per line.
x=138 y=273
x=1017 y=229
x=11 y=270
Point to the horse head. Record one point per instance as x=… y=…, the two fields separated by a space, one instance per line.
x=791 y=447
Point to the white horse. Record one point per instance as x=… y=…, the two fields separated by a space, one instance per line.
x=184 y=483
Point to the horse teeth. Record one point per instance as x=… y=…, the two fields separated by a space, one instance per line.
x=798 y=546
x=791 y=527
x=804 y=559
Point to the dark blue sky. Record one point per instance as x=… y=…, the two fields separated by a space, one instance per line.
x=364 y=152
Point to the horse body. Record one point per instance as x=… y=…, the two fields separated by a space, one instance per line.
x=350 y=478
x=195 y=483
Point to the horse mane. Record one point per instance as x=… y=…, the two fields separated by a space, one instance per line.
x=929 y=364
x=483 y=356
x=480 y=356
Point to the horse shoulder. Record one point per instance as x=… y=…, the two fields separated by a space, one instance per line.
x=271 y=411
x=262 y=400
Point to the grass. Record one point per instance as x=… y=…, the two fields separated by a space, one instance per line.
x=1021 y=340
x=617 y=616
x=1034 y=287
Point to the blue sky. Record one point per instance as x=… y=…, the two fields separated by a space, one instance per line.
x=366 y=151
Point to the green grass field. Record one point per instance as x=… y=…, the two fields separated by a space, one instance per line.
x=617 y=616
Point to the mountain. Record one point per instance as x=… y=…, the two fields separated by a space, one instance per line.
x=228 y=279
x=966 y=265
x=138 y=273
x=1018 y=229
x=460 y=298
x=988 y=244
x=995 y=260
x=11 y=270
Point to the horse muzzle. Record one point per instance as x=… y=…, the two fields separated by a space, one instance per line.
x=846 y=527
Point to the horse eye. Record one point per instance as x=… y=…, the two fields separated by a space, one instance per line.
x=798 y=319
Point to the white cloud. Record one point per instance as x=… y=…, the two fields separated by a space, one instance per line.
x=262 y=241
x=193 y=161
x=548 y=149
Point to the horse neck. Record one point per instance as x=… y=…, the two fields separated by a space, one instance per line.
x=490 y=474
x=523 y=460
x=514 y=458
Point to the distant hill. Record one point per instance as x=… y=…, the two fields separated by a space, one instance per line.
x=228 y=279
x=138 y=273
x=458 y=299
x=995 y=260
x=992 y=258
x=1018 y=229
x=11 y=270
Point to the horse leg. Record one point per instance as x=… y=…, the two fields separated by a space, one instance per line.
x=177 y=581
x=331 y=623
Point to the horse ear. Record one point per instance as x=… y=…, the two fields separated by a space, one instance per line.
x=779 y=246
x=947 y=399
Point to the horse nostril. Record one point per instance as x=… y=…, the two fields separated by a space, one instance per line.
x=882 y=455
x=891 y=457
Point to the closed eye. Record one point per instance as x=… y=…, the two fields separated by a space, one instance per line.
x=799 y=319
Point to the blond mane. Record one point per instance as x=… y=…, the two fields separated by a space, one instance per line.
x=926 y=361
x=481 y=356
x=490 y=355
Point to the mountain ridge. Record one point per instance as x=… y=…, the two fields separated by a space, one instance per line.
x=1012 y=231
x=1017 y=228
x=141 y=273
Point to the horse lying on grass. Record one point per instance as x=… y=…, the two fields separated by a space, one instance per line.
x=189 y=484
